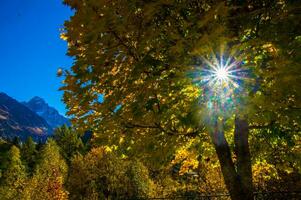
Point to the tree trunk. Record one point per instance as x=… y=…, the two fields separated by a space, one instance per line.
x=244 y=167
x=238 y=179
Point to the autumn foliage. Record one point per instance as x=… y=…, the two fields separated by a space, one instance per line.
x=135 y=84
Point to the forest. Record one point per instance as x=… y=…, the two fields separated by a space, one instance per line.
x=171 y=99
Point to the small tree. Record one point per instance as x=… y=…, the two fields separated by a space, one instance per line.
x=69 y=141
x=99 y=174
x=47 y=182
x=142 y=185
x=14 y=177
x=29 y=154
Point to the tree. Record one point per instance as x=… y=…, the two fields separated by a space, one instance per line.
x=14 y=176
x=16 y=141
x=69 y=141
x=141 y=183
x=48 y=179
x=29 y=154
x=98 y=175
x=130 y=77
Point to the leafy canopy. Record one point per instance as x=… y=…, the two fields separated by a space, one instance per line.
x=131 y=60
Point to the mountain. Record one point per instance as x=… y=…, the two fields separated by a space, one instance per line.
x=50 y=114
x=17 y=120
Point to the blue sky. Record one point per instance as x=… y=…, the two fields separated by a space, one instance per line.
x=31 y=50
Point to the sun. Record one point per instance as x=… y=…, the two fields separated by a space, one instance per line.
x=221 y=73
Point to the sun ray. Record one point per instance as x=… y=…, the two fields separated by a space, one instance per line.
x=236 y=77
x=233 y=64
x=210 y=64
x=236 y=70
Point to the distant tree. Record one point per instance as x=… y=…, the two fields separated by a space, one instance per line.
x=69 y=141
x=16 y=141
x=5 y=146
x=48 y=179
x=40 y=145
x=14 y=177
x=29 y=154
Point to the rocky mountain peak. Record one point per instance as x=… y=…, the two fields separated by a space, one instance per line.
x=50 y=114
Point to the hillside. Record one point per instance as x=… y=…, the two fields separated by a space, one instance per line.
x=16 y=120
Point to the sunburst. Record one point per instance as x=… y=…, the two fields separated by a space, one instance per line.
x=219 y=73
x=221 y=78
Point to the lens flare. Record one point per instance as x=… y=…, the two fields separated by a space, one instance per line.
x=221 y=79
